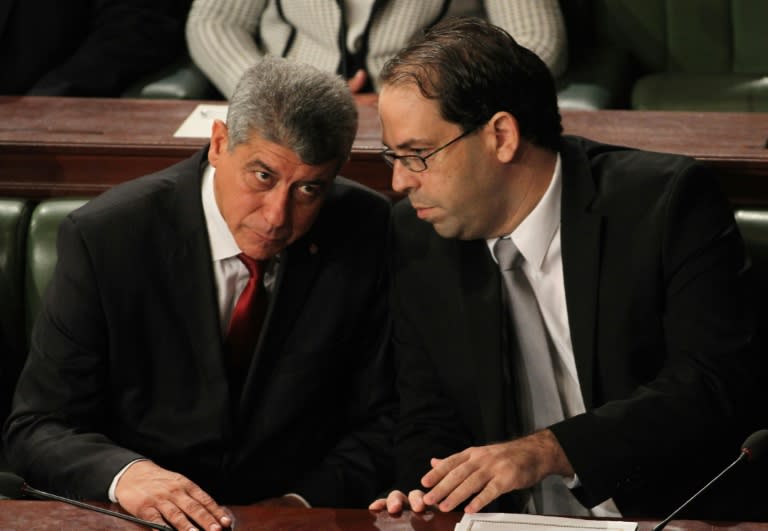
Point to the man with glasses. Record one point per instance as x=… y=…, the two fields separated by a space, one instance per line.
x=578 y=315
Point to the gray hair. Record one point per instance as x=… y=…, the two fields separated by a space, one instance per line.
x=297 y=106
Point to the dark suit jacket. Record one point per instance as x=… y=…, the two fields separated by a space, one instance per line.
x=662 y=333
x=85 y=47
x=126 y=356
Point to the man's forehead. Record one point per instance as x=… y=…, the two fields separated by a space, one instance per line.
x=408 y=118
x=258 y=152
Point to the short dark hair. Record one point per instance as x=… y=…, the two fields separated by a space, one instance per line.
x=474 y=70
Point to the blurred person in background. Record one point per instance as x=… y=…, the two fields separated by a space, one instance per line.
x=86 y=47
x=353 y=38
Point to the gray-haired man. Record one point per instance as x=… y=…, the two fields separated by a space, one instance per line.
x=147 y=382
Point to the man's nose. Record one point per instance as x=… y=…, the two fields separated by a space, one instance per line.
x=403 y=179
x=277 y=206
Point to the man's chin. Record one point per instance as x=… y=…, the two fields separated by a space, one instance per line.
x=445 y=230
x=264 y=251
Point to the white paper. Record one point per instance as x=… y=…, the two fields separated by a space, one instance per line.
x=199 y=122
x=531 y=522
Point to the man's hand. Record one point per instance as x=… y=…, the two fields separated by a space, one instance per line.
x=154 y=493
x=356 y=84
x=397 y=501
x=493 y=470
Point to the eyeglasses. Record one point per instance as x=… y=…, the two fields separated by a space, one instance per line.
x=417 y=163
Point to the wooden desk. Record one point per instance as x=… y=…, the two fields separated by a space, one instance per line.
x=45 y=515
x=71 y=146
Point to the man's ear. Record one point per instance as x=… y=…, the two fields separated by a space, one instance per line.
x=219 y=138
x=506 y=134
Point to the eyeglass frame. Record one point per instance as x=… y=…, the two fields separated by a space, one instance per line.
x=390 y=157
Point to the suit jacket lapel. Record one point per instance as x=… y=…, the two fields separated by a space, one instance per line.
x=190 y=272
x=482 y=312
x=580 y=240
x=299 y=264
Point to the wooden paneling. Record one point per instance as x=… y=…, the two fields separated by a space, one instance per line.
x=73 y=146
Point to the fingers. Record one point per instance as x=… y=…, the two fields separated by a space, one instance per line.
x=153 y=493
x=486 y=496
x=198 y=505
x=357 y=82
x=441 y=467
x=457 y=485
x=486 y=470
x=174 y=516
x=393 y=503
x=397 y=501
x=416 y=499
x=378 y=505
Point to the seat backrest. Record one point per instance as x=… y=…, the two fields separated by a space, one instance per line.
x=753 y=224
x=41 y=251
x=692 y=36
x=14 y=219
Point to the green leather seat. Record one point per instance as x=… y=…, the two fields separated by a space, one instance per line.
x=599 y=73
x=14 y=219
x=700 y=55
x=753 y=224
x=182 y=80
x=41 y=250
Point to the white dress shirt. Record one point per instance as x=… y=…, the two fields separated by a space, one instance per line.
x=230 y=275
x=538 y=240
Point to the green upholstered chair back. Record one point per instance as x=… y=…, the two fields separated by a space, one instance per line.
x=41 y=250
x=701 y=36
x=14 y=219
x=692 y=54
x=753 y=224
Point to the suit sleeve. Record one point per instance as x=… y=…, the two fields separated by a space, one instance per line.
x=704 y=393
x=428 y=423
x=222 y=36
x=127 y=39
x=54 y=435
x=360 y=466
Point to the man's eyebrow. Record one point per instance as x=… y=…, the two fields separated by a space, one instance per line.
x=407 y=144
x=318 y=181
x=258 y=163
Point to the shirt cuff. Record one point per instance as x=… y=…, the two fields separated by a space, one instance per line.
x=113 y=485
x=300 y=498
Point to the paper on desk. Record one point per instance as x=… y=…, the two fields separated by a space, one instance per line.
x=199 y=122
x=531 y=522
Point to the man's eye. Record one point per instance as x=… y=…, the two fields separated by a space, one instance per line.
x=309 y=191
x=258 y=179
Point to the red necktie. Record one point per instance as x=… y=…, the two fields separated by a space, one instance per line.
x=245 y=324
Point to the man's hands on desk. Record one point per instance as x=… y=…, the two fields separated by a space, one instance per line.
x=489 y=471
x=153 y=493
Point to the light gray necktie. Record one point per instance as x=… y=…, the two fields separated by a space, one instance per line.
x=537 y=394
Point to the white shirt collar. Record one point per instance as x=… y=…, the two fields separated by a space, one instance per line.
x=222 y=242
x=534 y=235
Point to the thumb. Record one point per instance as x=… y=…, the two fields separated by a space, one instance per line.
x=357 y=82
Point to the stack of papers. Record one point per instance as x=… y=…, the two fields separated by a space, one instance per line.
x=199 y=122
x=530 y=522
